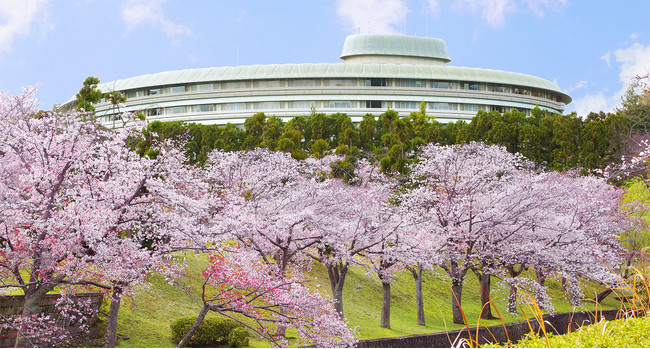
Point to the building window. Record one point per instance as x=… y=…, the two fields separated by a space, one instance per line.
x=469 y=107
x=267 y=105
x=155 y=91
x=339 y=104
x=500 y=89
x=339 y=82
x=203 y=108
x=303 y=83
x=411 y=83
x=175 y=89
x=203 y=87
x=174 y=110
x=407 y=105
x=445 y=106
x=374 y=104
x=382 y=82
x=301 y=104
x=235 y=106
x=233 y=85
x=268 y=83
x=444 y=84
x=154 y=111
x=134 y=93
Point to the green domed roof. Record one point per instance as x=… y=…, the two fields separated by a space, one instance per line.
x=395 y=45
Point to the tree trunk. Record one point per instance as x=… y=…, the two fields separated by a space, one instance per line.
x=33 y=297
x=456 y=303
x=111 y=324
x=419 y=301
x=541 y=279
x=385 y=305
x=337 y=273
x=512 y=299
x=486 y=311
x=194 y=327
x=29 y=308
x=601 y=296
x=282 y=330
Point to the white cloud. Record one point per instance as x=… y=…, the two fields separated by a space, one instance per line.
x=539 y=7
x=495 y=12
x=16 y=18
x=580 y=84
x=373 y=16
x=434 y=8
x=607 y=57
x=634 y=36
x=137 y=12
x=634 y=60
x=595 y=103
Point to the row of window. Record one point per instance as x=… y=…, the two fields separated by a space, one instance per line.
x=336 y=105
x=378 y=82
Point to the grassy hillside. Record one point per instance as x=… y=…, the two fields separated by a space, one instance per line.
x=145 y=318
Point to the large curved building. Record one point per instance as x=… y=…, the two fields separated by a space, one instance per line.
x=378 y=72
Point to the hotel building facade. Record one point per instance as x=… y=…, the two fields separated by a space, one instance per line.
x=379 y=72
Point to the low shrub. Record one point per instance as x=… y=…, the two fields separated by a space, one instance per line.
x=238 y=337
x=632 y=333
x=212 y=332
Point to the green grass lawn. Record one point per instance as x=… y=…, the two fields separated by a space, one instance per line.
x=145 y=318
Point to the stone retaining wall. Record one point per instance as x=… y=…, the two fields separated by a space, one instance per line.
x=13 y=305
x=555 y=323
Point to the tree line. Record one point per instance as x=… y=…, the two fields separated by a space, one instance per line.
x=553 y=141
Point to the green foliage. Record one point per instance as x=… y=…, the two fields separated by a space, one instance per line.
x=319 y=148
x=637 y=202
x=115 y=97
x=88 y=95
x=632 y=333
x=238 y=337
x=212 y=332
x=635 y=106
x=345 y=168
x=552 y=141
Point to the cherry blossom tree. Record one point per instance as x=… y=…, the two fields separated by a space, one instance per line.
x=387 y=257
x=460 y=189
x=267 y=210
x=78 y=208
x=241 y=286
x=268 y=202
x=489 y=212
x=354 y=218
x=579 y=236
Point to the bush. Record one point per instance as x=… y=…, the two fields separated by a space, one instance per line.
x=238 y=337
x=632 y=333
x=212 y=332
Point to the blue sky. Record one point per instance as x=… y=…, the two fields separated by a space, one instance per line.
x=590 y=49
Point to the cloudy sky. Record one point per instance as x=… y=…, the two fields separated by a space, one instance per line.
x=590 y=49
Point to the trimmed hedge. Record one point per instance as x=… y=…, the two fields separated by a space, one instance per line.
x=212 y=332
